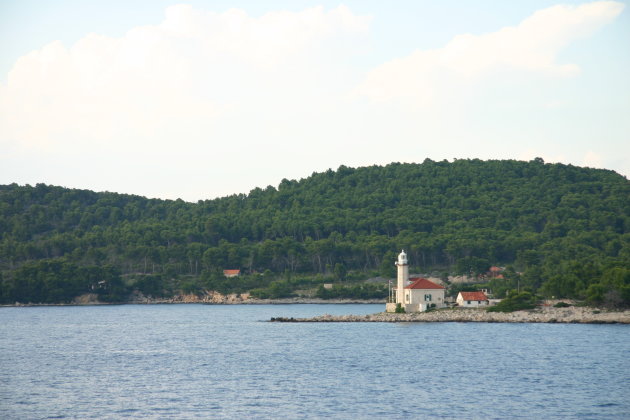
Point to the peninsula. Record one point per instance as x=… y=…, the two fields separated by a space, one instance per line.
x=542 y=314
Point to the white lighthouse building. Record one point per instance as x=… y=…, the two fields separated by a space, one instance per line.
x=402 y=276
x=414 y=294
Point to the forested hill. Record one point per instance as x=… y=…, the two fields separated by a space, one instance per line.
x=566 y=228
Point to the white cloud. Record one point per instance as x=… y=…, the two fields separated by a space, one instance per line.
x=203 y=104
x=207 y=104
x=177 y=76
x=532 y=46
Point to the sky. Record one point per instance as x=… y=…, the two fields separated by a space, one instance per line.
x=212 y=98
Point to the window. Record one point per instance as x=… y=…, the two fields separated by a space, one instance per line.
x=427 y=298
x=467 y=302
x=407 y=298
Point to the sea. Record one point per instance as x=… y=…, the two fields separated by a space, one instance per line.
x=228 y=361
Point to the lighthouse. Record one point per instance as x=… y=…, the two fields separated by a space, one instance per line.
x=414 y=294
x=403 y=277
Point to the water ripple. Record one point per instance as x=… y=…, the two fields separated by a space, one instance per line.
x=198 y=361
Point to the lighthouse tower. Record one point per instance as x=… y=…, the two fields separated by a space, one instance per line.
x=403 y=277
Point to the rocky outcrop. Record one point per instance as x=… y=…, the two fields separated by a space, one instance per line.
x=580 y=315
x=86 y=299
x=205 y=297
x=212 y=297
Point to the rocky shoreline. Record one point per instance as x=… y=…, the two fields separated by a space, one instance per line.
x=216 y=298
x=543 y=314
x=209 y=298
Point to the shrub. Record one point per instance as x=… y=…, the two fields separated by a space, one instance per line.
x=276 y=290
x=515 y=302
x=358 y=291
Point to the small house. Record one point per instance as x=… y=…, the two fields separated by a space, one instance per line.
x=231 y=273
x=423 y=294
x=495 y=272
x=472 y=299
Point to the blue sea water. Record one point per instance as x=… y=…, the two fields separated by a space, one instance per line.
x=206 y=361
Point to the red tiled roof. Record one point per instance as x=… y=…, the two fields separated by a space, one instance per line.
x=474 y=296
x=419 y=283
x=495 y=269
x=231 y=271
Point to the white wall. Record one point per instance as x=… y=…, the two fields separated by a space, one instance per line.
x=416 y=297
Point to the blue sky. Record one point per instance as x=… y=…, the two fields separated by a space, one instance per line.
x=217 y=97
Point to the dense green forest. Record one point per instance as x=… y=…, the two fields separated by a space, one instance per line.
x=559 y=230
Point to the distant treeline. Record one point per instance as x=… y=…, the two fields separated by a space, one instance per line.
x=565 y=228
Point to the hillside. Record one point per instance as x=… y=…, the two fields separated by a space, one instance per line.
x=565 y=228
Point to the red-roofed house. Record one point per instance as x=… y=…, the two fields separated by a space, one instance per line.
x=423 y=294
x=231 y=273
x=472 y=299
x=415 y=294
x=495 y=271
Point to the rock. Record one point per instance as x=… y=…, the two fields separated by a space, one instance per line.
x=86 y=299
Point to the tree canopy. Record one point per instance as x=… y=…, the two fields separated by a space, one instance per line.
x=564 y=228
